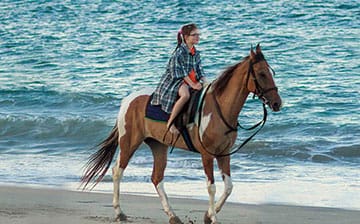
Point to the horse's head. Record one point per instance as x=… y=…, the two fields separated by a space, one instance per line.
x=260 y=80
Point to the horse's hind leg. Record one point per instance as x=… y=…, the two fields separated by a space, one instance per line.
x=117 y=174
x=128 y=146
x=160 y=158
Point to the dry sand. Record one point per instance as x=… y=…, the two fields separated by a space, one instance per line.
x=38 y=206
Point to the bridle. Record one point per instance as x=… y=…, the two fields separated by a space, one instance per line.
x=260 y=92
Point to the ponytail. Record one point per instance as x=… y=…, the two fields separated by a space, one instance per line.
x=179 y=39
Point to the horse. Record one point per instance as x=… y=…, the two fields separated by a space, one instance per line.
x=213 y=134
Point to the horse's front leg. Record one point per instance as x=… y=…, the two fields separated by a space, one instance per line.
x=210 y=215
x=224 y=166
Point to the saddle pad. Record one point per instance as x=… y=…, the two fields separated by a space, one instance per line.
x=155 y=112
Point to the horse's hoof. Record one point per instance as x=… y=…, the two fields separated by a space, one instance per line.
x=175 y=220
x=121 y=217
x=207 y=220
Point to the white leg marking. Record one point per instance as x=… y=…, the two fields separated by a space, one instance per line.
x=125 y=103
x=227 y=191
x=211 y=211
x=117 y=176
x=164 y=200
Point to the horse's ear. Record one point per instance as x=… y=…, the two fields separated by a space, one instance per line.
x=252 y=53
x=258 y=48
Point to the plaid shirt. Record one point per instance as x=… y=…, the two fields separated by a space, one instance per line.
x=179 y=66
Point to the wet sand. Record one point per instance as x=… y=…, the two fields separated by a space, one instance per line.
x=37 y=206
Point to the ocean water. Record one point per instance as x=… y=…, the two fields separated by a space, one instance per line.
x=66 y=65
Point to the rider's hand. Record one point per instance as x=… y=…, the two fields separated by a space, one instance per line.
x=197 y=86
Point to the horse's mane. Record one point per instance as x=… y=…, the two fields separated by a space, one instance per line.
x=222 y=81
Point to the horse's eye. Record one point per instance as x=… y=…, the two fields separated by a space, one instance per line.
x=262 y=75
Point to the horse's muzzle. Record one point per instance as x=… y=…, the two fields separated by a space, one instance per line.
x=275 y=105
x=272 y=100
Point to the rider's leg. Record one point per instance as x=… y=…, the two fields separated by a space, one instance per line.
x=184 y=95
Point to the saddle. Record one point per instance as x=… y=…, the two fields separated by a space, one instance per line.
x=185 y=117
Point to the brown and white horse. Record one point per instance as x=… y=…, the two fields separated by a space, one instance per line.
x=219 y=113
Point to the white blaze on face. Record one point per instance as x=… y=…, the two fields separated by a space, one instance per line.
x=125 y=103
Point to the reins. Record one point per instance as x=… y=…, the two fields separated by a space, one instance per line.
x=232 y=129
x=229 y=126
x=218 y=109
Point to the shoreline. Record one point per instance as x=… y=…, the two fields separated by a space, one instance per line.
x=44 y=205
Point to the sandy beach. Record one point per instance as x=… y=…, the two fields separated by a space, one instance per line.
x=37 y=206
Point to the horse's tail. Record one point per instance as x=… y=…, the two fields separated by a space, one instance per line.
x=100 y=161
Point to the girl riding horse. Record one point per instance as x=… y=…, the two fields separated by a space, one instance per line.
x=222 y=104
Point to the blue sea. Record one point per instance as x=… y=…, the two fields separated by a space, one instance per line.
x=66 y=65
